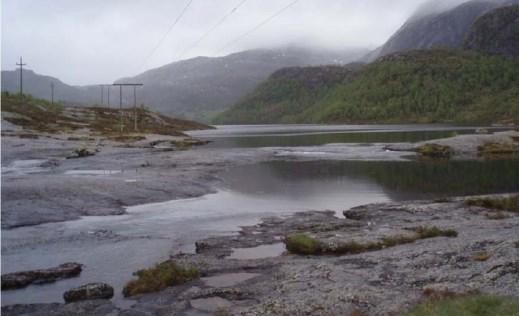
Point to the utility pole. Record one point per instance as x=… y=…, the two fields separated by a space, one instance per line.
x=121 y=107
x=134 y=85
x=21 y=64
x=135 y=108
x=52 y=92
x=108 y=88
x=102 y=93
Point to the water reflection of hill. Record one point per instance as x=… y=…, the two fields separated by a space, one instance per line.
x=399 y=180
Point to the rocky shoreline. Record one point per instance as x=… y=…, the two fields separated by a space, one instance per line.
x=378 y=260
x=252 y=274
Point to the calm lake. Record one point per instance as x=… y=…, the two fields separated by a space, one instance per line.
x=246 y=194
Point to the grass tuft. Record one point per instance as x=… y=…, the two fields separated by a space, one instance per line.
x=510 y=204
x=433 y=231
x=467 y=305
x=496 y=215
x=159 y=277
x=480 y=256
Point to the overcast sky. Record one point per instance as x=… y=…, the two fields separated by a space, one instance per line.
x=99 y=41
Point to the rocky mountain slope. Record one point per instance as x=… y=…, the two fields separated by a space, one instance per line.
x=446 y=29
x=496 y=32
x=421 y=86
x=201 y=87
x=39 y=86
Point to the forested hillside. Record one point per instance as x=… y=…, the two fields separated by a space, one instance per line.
x=423 y=86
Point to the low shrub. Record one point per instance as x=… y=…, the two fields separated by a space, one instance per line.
x=435 y=151
x=159 y=277
x=302 y=244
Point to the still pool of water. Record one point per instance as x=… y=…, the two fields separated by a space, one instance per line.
x=149 y=233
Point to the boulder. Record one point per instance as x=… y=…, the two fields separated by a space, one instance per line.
x=91 y=291
x=22 y=279
x=82 y=152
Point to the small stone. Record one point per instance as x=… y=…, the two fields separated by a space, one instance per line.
x=91 y=291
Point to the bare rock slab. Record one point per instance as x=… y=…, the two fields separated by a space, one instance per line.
x=91 y=291
x=22 y=279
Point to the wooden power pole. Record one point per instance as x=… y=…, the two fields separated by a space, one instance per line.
x=21 y=64
x=134 y=85
x=52 y=92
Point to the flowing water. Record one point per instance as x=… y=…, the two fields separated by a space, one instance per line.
x=149 y=233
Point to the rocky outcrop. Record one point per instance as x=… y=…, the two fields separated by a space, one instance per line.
x=496 y=32
x=91 y=291
x=22 y=279
x=366 y=280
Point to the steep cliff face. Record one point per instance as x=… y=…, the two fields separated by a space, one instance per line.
x=496 y=32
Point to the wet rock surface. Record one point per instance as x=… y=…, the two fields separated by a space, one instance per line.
x=22 y=279
x=462 y=146
x=91 y=291
x=383 y=281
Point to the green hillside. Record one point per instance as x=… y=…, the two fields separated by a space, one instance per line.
x=422 y=86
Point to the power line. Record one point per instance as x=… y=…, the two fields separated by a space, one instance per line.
x=257 y=26
x=166 y=34
x=220 y=22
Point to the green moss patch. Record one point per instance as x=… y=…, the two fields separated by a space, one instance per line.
x=305 y=245
x=159 y=277
x=471 y=305
x=498 y=149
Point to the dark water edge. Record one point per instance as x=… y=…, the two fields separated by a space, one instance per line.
x=310 y=135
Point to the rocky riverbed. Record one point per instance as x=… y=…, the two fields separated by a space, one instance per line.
x=252 y=273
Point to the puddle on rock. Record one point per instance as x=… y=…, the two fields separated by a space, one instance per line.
x=260 y=252
x=228 y=279
x=92 y=172
x=24 y=167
